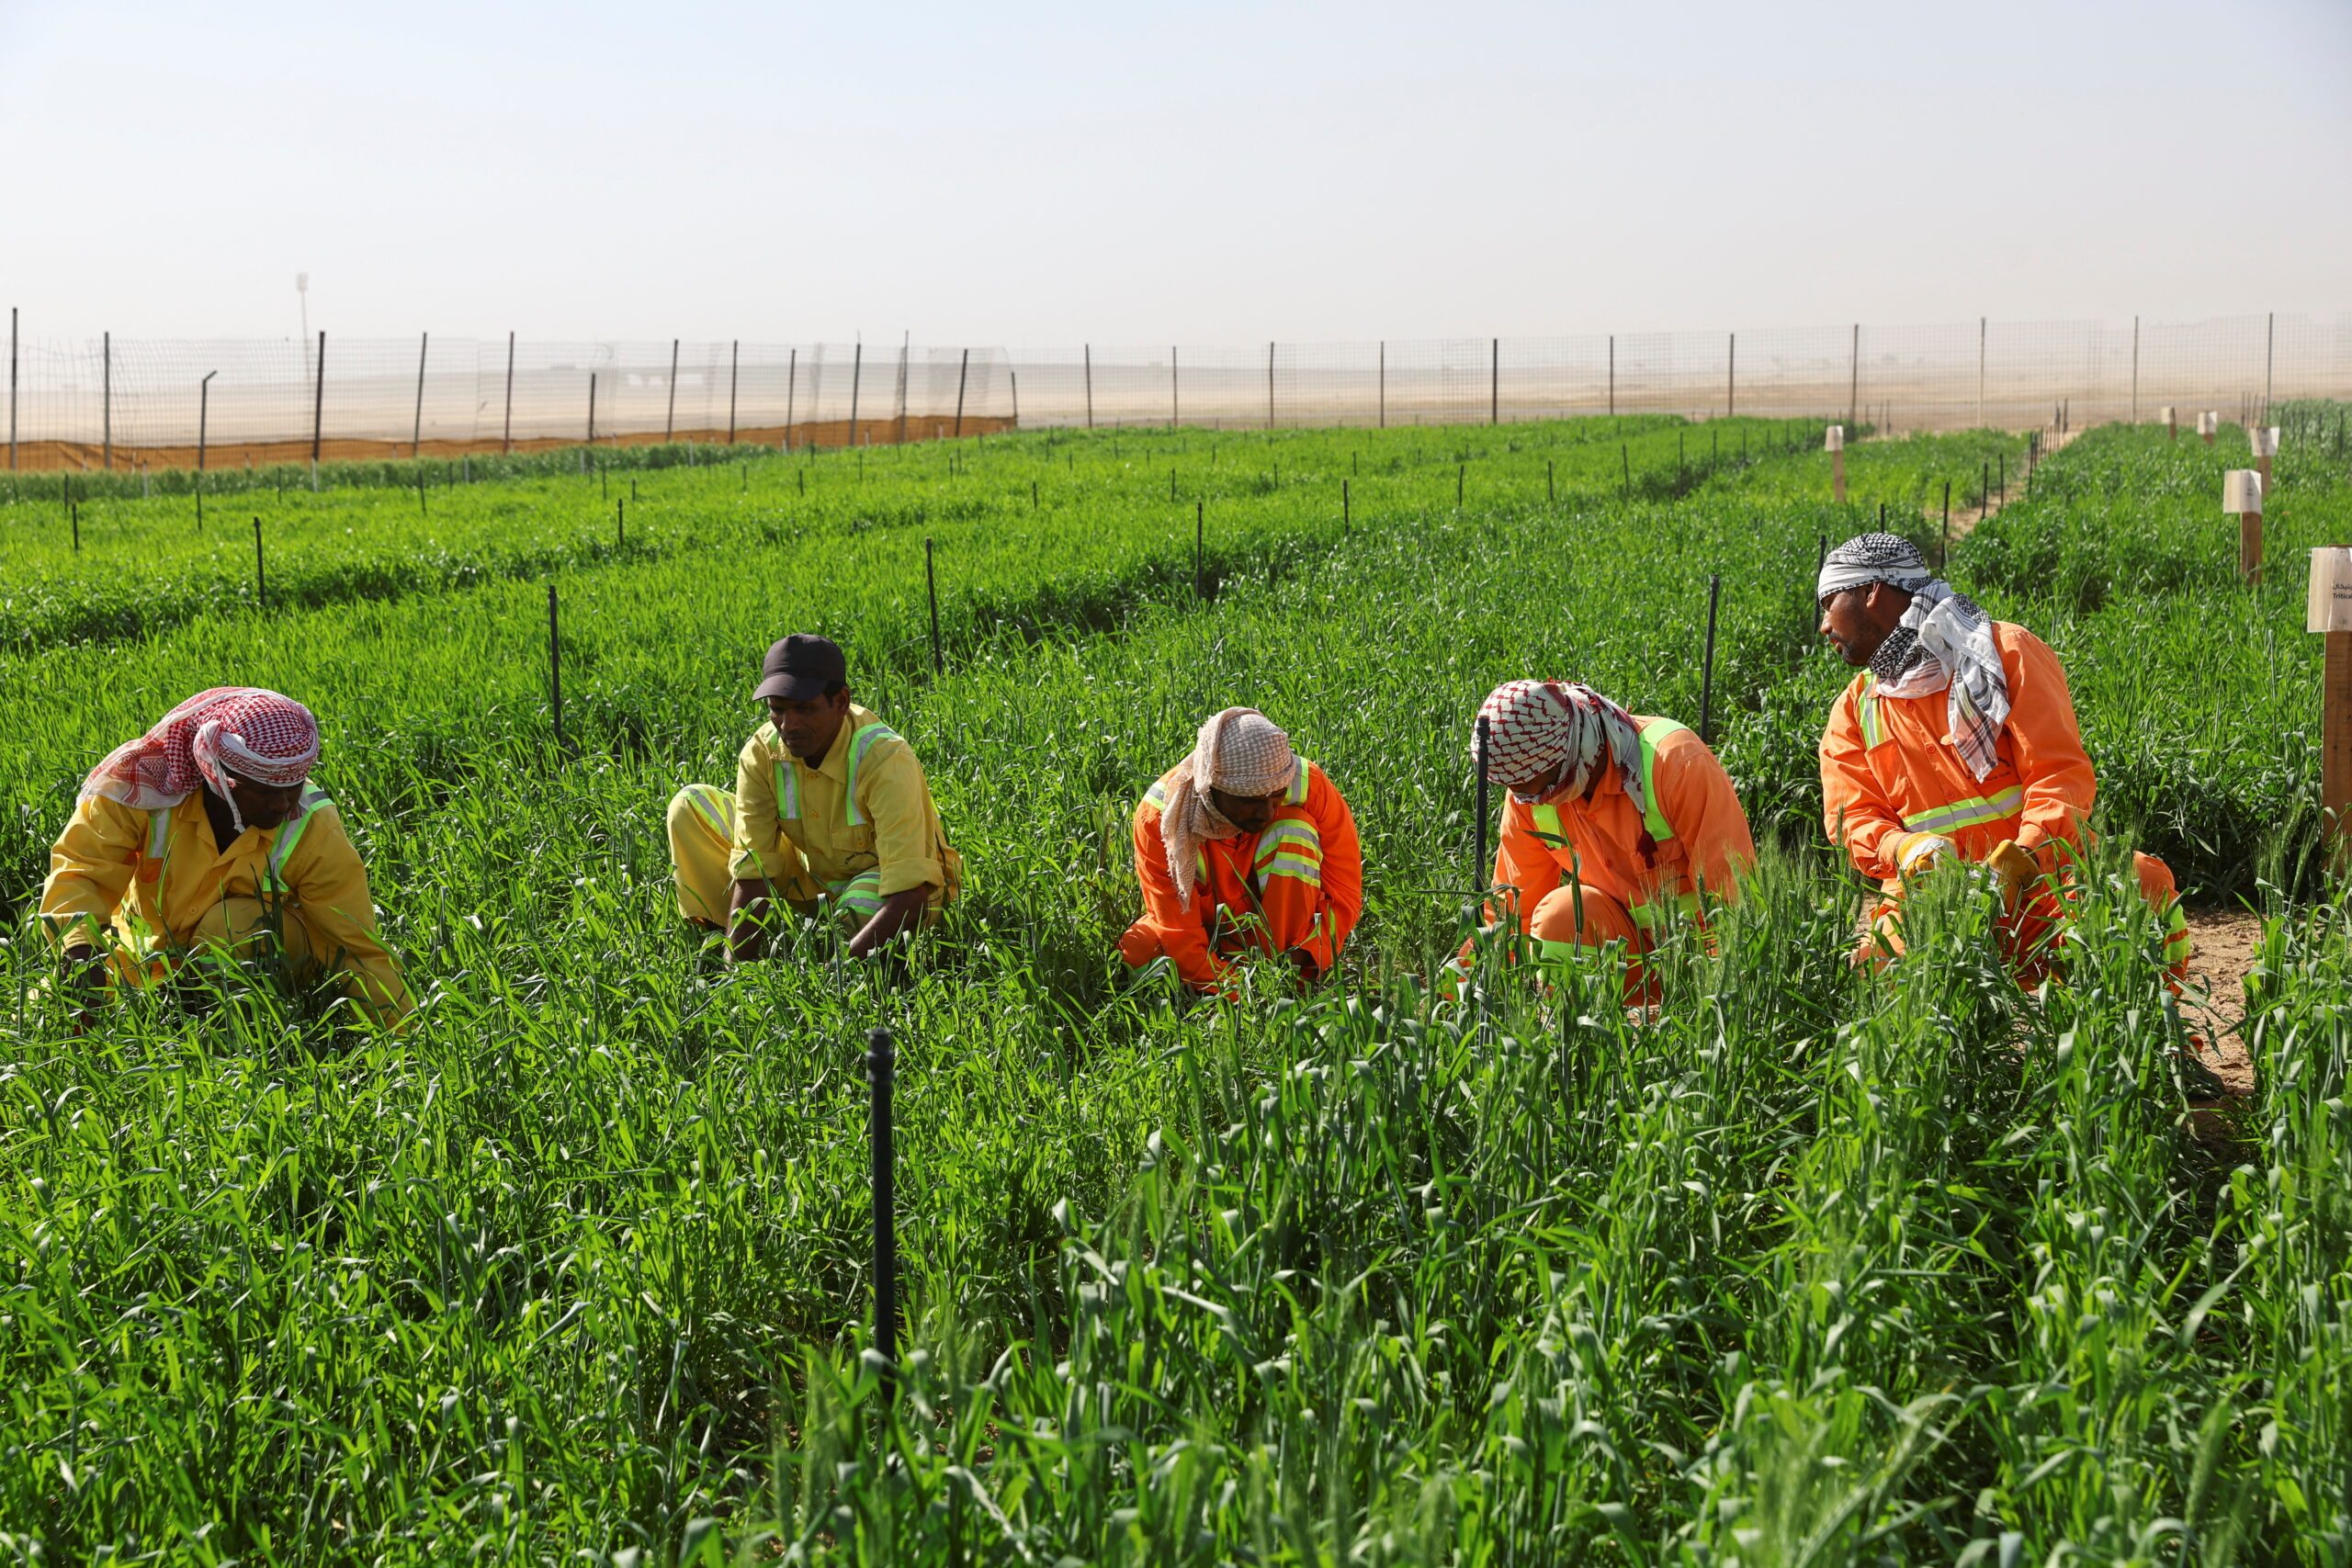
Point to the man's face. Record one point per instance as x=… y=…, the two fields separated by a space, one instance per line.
x=1251 y=813
x=264 y=805
x=1535 y=788
x=809 y=726
x=1856 y=620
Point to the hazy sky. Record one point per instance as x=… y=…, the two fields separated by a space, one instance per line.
x=1026 y=175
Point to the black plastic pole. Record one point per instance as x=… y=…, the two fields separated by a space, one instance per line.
x=1625 y=456
x=931 y=581
x=1200 y=546
x=1461 y=480
x=555 y=671
x=1347 y=509
x=319 y=409
x=1707 y=670
x=963 y=376
x=1945 y=560
x=74 y=517
x=880 y=1066
x=1478 y=868
x=620 y=523
x=261 y=577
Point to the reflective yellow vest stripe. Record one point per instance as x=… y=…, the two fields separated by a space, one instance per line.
x=274 y=868
x=1972 y=812
x=1548 y=830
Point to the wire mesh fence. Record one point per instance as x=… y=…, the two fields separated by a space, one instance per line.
x=118 y=402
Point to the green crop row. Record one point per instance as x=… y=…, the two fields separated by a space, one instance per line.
x=1818 y=1263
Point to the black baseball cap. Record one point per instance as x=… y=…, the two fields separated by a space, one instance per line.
x=800 y=667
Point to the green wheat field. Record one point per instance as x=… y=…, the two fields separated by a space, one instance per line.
x=1818 y=1266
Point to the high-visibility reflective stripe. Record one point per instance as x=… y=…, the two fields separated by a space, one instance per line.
x=1157 y=795
x=1296 y=793
x=1548 y=831
x=2178 y=946
x=860 y=895
x=704 y=798
x=1654 y=913
x=274 y=869
x=1292 y=865
x=1652 y=820
x=1279 y=834
x=1972 y=812
x=1873 y=727
x=787 y=779
x=862 y=742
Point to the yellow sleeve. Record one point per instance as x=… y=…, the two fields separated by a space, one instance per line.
x=763 y=849
x=330 y=886
x=893 y=793
x=90 y=868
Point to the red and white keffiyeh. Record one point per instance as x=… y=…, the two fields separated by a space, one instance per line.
x=1238 y=750
x=1533 y=727
x=260 y=735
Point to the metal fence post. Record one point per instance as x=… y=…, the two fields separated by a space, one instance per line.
x=963 y=376
x=670 y=420
x=106 y=374
x=791 y=389
x=734 y=376
x=506 y=433
x=1270 y=386
x=1494 y=385
x=856 y=375
x=416 y=432
x=12 y=386
x=1088 y=350
x=319 y=408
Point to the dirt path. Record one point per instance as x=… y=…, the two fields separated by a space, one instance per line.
x=2227 y=941
x=1963 y=527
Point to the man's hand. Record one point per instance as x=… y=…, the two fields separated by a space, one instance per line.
x=2017 y=869
x=747 y=913
x=1916 y=853
x=82 y=979
x=900 y=911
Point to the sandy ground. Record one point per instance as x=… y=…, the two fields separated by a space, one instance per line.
x=2227 y=941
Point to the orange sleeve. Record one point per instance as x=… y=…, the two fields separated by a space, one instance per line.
x=1698 y=803
x=1182 y=934
x=2046 y=744
x=1853 y=809
x=1522 y=861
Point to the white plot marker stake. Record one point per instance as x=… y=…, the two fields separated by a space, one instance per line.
x=1834 y=443
x=2242 y=498
x=2329 y=614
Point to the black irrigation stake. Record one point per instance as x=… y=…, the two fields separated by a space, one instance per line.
x=2003 y=476
x=1707 y=671
x=261 y=579
x=879 y=1064
x=632 y=487
x=605 y=483
x=1033 y=495
x=1461 y=478
x=1171 y=486
x=1478 y=868
x=1200 y=544
x=620 y=523
x=1347 y=509
x=555 y=671
x=421 y=509
x=931 y=581
x=802 y=474
x=1551 y=485
x=1945 y=560
x=1984 y=492
x=1882 y=517
x=1625 y=456
x=73 y=515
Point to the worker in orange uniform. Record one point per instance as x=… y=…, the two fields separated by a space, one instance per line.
x=1957 y=742
x=831 y=810
x=205 y=833
x=1615 y=826
x=1241 y=847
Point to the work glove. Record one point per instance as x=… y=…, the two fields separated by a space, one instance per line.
x=1919 y=851
x=2016 y=868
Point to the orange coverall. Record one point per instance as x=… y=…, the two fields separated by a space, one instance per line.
x=1297 y=886
x=1603 y=873
x=1889 y=768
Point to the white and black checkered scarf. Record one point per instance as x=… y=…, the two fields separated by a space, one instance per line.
x=1944 y=641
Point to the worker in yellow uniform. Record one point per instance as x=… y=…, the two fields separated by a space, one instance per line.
x=205 y=833
x=830 y=811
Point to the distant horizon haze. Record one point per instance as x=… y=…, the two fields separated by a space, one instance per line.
x=1044 y=175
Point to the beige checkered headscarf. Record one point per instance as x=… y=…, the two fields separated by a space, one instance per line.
x=1238 y=752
